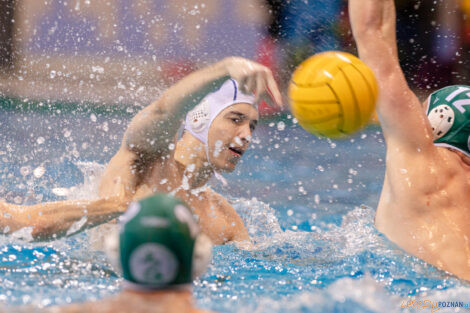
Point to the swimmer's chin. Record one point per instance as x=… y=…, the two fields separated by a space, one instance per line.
x=228 y=168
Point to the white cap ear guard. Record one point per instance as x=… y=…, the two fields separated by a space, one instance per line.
x=200 y=118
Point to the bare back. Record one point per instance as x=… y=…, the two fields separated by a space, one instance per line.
x=425 y=206
x=425 y=202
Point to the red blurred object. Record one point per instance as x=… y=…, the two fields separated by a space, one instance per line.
x=467 y=32
x=266 y=55
x=176 y=70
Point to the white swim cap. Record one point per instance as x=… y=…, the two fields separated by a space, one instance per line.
x=199 y=119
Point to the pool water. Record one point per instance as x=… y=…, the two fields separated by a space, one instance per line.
x=308 y=203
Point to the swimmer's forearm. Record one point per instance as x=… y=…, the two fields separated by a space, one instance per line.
x=373 y=23
x=55 y=219
x=401 y=116
x=155 y=126
x=9 y=219
x=189 y=91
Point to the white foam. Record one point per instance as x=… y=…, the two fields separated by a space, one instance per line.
x=88 y=190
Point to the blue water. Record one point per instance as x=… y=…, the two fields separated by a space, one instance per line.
x=308 y=203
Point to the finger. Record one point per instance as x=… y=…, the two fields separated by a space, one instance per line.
x=242 y=84
x=260 y=88
x=274 y=90
x=250 y=84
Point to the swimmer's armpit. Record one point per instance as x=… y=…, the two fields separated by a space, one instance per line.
x=56 y=219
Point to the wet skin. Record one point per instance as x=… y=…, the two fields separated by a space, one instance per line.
x=425 y=202
x=185 y=169
x=150 y=159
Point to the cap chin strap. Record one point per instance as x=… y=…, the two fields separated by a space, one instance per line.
x=217 y=175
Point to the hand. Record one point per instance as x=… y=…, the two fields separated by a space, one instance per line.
x=254 y=78
x=373 y=17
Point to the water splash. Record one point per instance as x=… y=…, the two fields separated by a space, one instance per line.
x=345 y=267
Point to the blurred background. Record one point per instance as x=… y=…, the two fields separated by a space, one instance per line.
x=111 y=51
x=74 y=72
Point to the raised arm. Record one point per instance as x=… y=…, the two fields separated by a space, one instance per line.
x=154 y=128
x=401 y=115
x=54 y=219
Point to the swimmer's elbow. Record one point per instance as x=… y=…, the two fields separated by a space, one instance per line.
x=363 y=34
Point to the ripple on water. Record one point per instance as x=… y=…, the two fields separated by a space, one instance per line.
x=60 y=272
x=349 y=267
x=342 y=265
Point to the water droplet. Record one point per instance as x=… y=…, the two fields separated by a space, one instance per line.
x=25 y=170
x=39 y=171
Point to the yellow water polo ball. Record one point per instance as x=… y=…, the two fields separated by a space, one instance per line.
x=333 y=94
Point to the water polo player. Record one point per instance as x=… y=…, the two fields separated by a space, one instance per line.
x=159 y=250
x=425 y=202
x=219 y=103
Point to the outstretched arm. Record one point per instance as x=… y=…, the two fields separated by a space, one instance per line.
x=401 y=115
x=154 y=128
x=54 y=219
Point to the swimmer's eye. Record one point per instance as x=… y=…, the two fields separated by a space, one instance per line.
x=236 y=120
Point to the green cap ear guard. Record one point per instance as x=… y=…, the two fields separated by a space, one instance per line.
x=157 y=239
x=449 y=115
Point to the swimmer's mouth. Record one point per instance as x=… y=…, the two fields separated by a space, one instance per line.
x=238 y=152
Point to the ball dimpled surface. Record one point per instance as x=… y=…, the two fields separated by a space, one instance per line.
x=333 y=94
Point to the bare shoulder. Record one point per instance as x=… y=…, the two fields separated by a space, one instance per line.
x=234 y=221
x=221 y=202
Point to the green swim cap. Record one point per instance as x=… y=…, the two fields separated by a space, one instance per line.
x=449 y=115
x=157 y=241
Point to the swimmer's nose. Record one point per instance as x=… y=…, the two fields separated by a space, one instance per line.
x=245 y=134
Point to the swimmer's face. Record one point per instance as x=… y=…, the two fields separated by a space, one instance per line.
x=230 y=135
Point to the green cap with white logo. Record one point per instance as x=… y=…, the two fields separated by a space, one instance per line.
x=157 y=239
x=449 y=115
